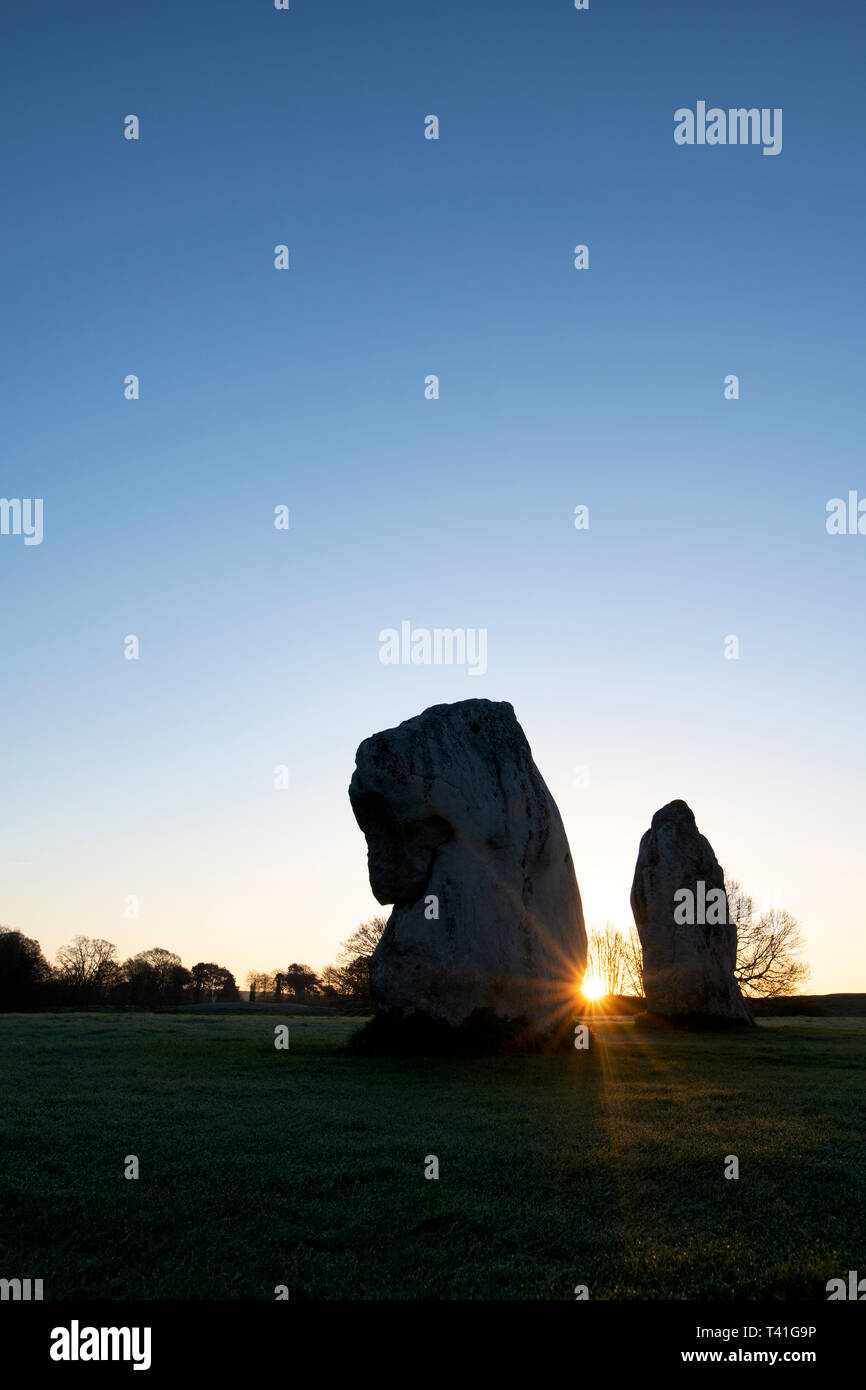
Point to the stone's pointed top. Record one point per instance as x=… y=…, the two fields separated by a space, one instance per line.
x=673 y=811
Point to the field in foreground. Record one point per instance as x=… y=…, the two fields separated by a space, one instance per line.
x=305 y=1167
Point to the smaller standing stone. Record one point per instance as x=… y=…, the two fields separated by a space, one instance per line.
x=688 y=938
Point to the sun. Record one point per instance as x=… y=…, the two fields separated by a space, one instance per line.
x=593 y=987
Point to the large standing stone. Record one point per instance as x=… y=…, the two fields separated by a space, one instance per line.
x=459 y=822
x=688 y=965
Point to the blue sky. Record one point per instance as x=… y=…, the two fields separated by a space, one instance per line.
x=306 y=387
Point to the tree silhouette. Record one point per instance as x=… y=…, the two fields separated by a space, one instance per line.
x=613 y=958
x=350 y=977
x=363 y=941
x=301 y=980
x=88 y=968
x=211 y=983
x=153 y=978
x=25 y=974
x=769 y=947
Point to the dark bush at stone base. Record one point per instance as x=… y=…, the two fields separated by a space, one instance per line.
x=394 y=1034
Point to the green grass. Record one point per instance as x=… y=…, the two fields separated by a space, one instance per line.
x=305 y=1167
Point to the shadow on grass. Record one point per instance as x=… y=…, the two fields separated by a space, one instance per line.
x=671 y=1024
x=483 y=1034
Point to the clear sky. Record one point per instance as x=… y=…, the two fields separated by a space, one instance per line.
x=558 y=387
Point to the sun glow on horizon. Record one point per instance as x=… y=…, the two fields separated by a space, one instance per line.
x=593 y=987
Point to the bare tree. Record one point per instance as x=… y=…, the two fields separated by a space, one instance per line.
x=88 y=966
x=769 y=947
x=265 y=984
x=633 y=964
x=170 y=977
x=613 y=959
x=332 y=979
x=350 y=977
x=164 y=963
x=363 y=941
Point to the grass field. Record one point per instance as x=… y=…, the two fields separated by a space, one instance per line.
x=306 y=1168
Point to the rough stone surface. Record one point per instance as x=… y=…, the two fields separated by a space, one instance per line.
x=688 y=970
x=454 y=808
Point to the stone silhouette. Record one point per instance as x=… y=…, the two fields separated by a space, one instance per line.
x=466 y=841
x=689 y=941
